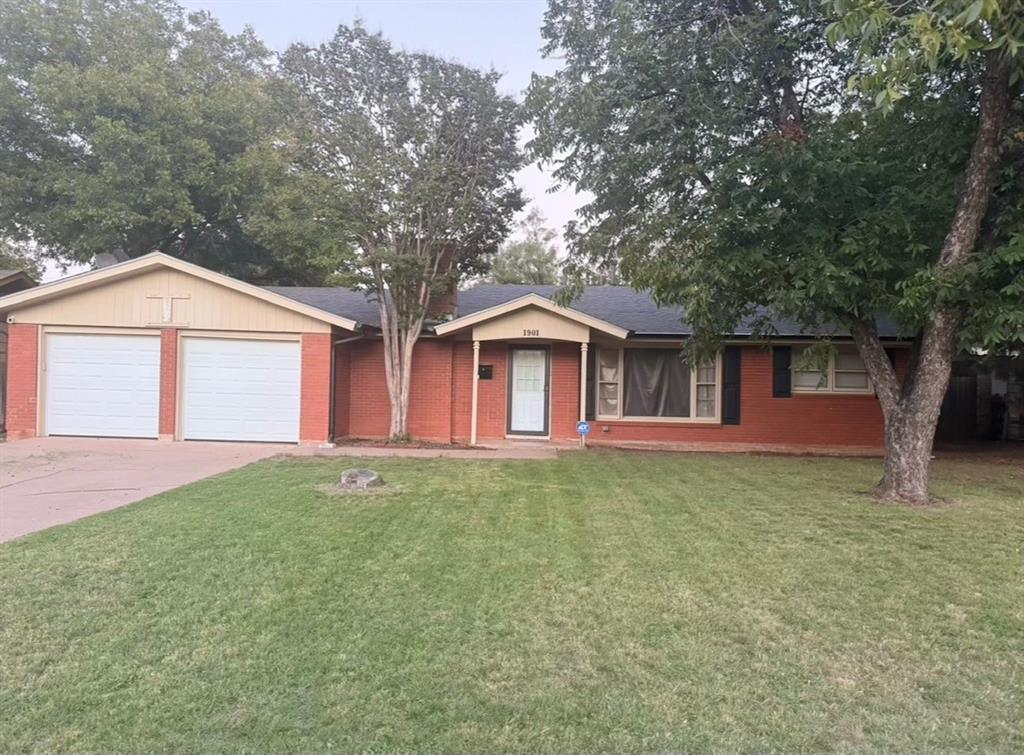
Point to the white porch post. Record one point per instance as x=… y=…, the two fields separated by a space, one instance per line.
x=476 y=392
x=584 y=346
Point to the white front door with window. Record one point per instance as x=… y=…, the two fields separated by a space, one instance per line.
x=528 y=400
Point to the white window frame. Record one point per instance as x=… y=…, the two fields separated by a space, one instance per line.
x=831 y=388
x=598 y=382
x=620 y=417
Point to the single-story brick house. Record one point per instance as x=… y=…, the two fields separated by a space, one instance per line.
x=157 y=347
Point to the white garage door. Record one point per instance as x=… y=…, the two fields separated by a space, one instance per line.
x=103 y=385
x=235 y=389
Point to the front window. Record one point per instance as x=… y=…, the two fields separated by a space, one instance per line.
x=636 y=383
x=845 y=373
x=657 y=384
x=608 y=383
x=707 y=391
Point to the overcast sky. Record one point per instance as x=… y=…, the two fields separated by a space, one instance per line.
x=503 y=34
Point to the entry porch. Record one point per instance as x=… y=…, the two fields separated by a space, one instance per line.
x=531 y=360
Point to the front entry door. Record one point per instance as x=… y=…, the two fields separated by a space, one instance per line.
x=528 y=392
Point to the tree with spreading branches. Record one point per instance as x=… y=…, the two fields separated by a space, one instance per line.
x=403 y=175
x=829 y=163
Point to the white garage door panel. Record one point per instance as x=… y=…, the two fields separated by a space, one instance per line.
x=103 y=385
x=235 y=389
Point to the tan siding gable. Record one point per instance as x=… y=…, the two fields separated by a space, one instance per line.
x=142 y=301
x=531 y=322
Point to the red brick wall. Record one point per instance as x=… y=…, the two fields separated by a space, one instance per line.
x=492 y=420
x=442 y=388
x=430 y=393
x=22 y=380
x=492 y=408
x=168 y=382
x=565 y=390
x=342 y=388
x=315 y=404
x=368 y=410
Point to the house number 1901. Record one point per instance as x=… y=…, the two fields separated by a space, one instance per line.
x=531 y=332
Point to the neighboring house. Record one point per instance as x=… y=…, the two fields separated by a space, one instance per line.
x=157 y=347
x=11 y=281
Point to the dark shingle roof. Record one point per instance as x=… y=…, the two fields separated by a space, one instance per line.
x=635 y=311
x=12 y=281
x=620 y=305
x=354 y=305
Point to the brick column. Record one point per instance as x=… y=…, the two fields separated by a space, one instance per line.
x=22 y=380
x=315 y=403
x=168 y=383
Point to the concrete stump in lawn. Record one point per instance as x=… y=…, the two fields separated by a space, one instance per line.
x=359 y=479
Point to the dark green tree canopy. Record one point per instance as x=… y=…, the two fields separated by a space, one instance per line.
x=130 y=127
x=732 y=166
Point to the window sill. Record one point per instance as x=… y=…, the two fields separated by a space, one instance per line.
x=833 y=394
x=656 y=422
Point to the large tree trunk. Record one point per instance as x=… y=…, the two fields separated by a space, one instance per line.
x=400 y=337
x=399 y=345
x=403 y=310
x=911 y=409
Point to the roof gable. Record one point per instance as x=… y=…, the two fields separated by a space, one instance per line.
x=155 y=261
x=530 y=300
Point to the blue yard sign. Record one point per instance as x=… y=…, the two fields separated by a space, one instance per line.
x=583 y=428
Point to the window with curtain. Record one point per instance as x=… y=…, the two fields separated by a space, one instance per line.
x=608 y=383
x=707 y=390
x=656 y=384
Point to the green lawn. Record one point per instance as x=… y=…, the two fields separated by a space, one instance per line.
x=606 y=601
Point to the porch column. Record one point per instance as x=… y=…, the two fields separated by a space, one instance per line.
x=584 y=346
x=476 y=392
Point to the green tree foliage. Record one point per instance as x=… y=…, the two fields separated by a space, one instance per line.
x=899 y=50
x=130 y=127
x=734 y=171
x=403 y=176
x=20 y=257
x=529 y=258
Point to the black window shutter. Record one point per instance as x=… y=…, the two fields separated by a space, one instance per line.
x=781 y=377
x=731 y=385
x=591 y=414
x=891 y=353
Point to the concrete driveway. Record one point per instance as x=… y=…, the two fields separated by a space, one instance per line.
x=48 y=481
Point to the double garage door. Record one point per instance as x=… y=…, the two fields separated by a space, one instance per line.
x=230 y=389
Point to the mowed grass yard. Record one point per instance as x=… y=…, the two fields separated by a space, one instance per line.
x=604 y=601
